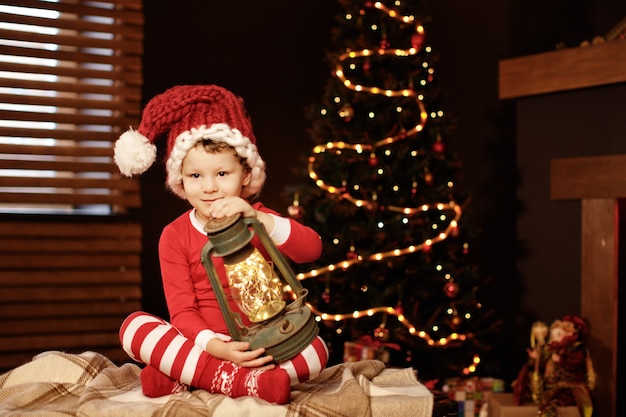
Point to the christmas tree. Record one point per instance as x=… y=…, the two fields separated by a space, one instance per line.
x=380 y=187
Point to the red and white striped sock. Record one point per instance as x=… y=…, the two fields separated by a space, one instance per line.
x=307 y=364
x=155 y=342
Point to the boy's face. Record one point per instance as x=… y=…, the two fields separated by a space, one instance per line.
x=208 y=177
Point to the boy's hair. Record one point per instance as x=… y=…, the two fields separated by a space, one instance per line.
x=212 y=146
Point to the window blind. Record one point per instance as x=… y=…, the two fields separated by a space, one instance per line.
x=70 y=83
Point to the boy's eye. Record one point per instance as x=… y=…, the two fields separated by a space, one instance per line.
x=221 y=174
x=195 y=175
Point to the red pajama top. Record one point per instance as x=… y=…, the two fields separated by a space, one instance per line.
x=191 y=301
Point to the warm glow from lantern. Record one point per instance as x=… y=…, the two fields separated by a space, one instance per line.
x=255 y=288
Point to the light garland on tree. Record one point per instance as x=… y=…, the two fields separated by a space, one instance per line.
x=380 y=256
x=443 y=341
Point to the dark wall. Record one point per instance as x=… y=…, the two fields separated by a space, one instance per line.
x=272 y=54
x=589 y=122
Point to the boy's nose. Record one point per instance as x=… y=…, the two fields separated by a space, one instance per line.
x=209 y=185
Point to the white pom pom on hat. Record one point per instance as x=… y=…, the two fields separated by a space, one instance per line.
x=189 y=114
x=134 y=153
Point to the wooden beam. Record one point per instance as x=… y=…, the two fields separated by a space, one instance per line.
x=599 y=296
x=563 y=70
x=599 y=182
x=588 y=177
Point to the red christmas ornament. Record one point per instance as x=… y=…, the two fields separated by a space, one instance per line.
x=367 y=65
x=428 y=177
x=400 y=308
x=427 y=248
x=296 y=212
x=417 y=40
x=439 y=147
x=382 y=334
x=384 y=44
x=352 y=255
x=451 y=289
x=373 y=161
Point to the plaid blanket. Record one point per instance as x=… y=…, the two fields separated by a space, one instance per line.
x=58 y=384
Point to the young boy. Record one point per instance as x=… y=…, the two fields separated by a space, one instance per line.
x=213 y=163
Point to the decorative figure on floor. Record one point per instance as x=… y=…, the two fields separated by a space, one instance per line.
x=529 y=384
x=538 y=351
x=562 y=369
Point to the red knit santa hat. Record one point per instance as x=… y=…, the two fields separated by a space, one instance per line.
x=190 y=113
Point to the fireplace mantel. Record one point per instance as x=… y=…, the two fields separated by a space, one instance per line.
x=563 y=70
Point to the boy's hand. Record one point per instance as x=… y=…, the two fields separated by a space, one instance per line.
x=238 y=353
x=229 y=206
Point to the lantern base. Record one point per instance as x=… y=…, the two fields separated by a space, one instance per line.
x=285 y=335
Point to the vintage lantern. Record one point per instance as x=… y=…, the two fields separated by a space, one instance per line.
x=284 y=330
